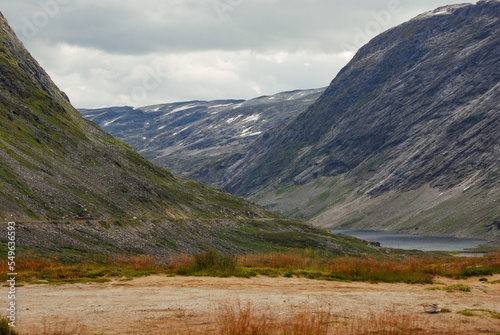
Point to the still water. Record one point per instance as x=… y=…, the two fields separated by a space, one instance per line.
x=411 y=242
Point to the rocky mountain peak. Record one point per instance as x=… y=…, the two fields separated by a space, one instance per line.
x=416 y=108
x=14 y=47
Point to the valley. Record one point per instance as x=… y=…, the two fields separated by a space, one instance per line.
x=78 y=193
x=214 y=216
x=184 y=136
x=405 y=138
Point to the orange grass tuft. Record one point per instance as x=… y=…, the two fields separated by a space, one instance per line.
x=236 y=318
x=274 y=260
x=143 y=262
x=241 y=319
x=181 y=261
x=62 y=327
x=30 y=262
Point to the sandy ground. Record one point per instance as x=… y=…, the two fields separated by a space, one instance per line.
x=161 y=304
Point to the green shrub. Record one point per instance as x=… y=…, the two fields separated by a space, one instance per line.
x=470 y=312
x=477 y=271
x=5 y=329
x=458 y=287
x=213 y=261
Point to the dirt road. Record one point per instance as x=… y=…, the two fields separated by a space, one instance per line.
x=161 y=304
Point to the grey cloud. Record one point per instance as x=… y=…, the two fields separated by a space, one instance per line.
x=99 y=51
x=189 y=26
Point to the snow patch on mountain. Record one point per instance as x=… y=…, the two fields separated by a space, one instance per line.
x=107 y=123
x=251 y=118
x=231 y=120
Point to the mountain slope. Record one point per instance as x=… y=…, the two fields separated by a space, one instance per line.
x=182 y=136
x=55 y=164
x=77 y=192
x=405 y=138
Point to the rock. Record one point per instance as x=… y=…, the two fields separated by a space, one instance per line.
x=432 y=308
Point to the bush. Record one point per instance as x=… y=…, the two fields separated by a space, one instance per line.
x=213 y=261
x=477 y=271
x=5 y=329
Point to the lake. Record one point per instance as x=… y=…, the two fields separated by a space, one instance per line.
x=411 y=242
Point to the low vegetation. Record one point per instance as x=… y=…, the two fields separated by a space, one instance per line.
x=240 y=318
x=5 y=329
x=236 y=318
x=474 y=312
x=413 y=269
x=455 y=287
x=57 y=328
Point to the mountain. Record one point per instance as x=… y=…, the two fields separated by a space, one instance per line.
x=405 y=138
x=76 y=191
x=183 y=136
x=55 y=164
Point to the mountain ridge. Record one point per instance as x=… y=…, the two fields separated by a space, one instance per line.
x=413 y=115
x=183 y=136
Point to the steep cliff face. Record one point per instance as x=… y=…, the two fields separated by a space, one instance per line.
x=414 y=115
x=183 y=136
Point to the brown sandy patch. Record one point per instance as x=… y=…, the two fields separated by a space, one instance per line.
x=163 y=305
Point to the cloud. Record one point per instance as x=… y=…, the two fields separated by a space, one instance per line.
x=144 y=52
x=93 y=78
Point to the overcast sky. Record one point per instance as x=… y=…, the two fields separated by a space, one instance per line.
x=138 y=53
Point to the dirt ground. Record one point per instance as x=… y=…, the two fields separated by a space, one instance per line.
x=161 y=304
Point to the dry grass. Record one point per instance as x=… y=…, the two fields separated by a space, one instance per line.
x=244 y=319
x=394 y=322
x=143 y=262
x=30 y=262
x=409 y=269
x=181 y=261
x=236 y=318
x=275 y=260
x=52 y=327
x=62 y=327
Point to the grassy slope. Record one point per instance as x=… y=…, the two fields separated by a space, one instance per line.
x=427 y=211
